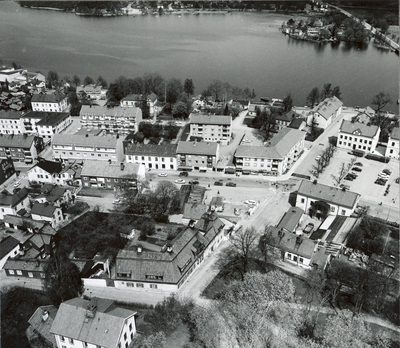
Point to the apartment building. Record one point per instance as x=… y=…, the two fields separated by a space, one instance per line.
x=20 y=147
x=392 y=149
x=10 y=122
x=211 y=127
x=325 y=112
x=358 y=136
x=202 y=156
x=50 y=102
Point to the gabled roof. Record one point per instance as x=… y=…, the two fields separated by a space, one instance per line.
x=296 y=123
x=20 y=141
x=49 y=166
x=105 y=170
x=133 y=97
x=26 y=265
x=358 y=128
x=55 y=97
x=328 y=107
x=287 y=117
x=194 y=211
x=218 y=201
x=52 y=193
x=21 y=221
x=104 y=329
x=53 y=119
x=140 y=149
x=395 y=134
x=43 y=326
x=210 y=119
x=291 y=219
x=43 y=209
x=10 y=200
x=83 y=140
x=328 y=194
x=197 y=148
x=6 y=245
x=10 y=115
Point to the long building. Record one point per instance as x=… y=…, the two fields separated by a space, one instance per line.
x=211 y=127
x=358 y=136
x=202 y=156
x=20 y=147
x=49 y=102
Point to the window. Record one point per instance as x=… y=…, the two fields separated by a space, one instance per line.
x=153 y=286
x=302 y=200
x=30 y=274
x=11 y=271
x=142 y=158
x=301 y=260
x=343 y=212
x=42 y=275
x=126 y=345
x=139 y=285
x=71 y=341
x=136 y=158
x=19 y=272
x=130 y=327
x=62 y=338
x=125 y=336
x=132 y=336
x=289 y=256
x=391 y=151
x=340 y=143
x=295 y=258
x=392 y=143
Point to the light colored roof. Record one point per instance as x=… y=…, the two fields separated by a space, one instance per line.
x=55 y=97
x=105 y=170
x=20 y=141
x=197 y=148
x=328 y=107
x=358 y=128
x=194 y=210
x=140 y=149
x=106 y=111
x=103 y=330
x=256 y=152
x=291 y=218
x=395 y=134
x=210 y=119
x=83 y=140
x=41 y=326
x=328 y=194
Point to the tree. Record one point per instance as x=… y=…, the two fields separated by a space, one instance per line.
x=313 y=97
x=52 y=79
x=265 y=121
x=266 y=245
x=288 y=102
x=153 y=83
x=342 y=173
x=381 y=100
x=174 y=90
x=188 y=87
x=156 y=340
x=216 y=88
x=101 y=82
x=76 y=80
x=180 y=110
x=88 y=81
x=165 y=189
x=62 y=279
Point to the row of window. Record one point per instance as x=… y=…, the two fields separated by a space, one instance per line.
x=140 y=285
x=143 y=158
x=355 y=139
x=343 y=212
x=363 y=147
x=79 y=154
x=19 y=272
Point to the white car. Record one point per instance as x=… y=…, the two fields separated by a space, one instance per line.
x=17 y=184
x=180 y=181
x=163 y=174
x=117 y=201
x=317 y=158
x=250 y=202
x=383 y=176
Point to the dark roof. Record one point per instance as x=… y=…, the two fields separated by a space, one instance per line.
x=291 y=219
x=328 y=194
x=194 y=211
x=6 y=245
x=26 y=265
x=52 y=193
x=43 y=209
x=49 y=166
x=12 y=200
x=10 y=114
x=197 y=148
x=296 y=123
x=163 y=150
x=43 y=326
x=395 y=134
x=287 y=117
x=17 y=141
x=48 y=97
x=53 y=119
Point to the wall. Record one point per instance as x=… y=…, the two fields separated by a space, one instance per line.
x=335 y=209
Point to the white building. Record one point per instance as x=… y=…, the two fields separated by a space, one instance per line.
x=211 y=127
x=325 y=112
x=93 y=323
x=358 y=136
x=50 y=102
x=47 y=212
x=11 y=204
x=392 y=149
x=10 y=122
x=135 y=100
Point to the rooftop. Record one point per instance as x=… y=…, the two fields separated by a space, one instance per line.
x=197 y=148
x=106 y=170
x=49 y=166
x=395 y=134
x=17 y=140
x=140 y=149
x=42 y=325
x=10 y=114
x=116 y=111
x=6 y=245
x=210 y=119
x=7 y=199
x=291 y=219
x=328 y=107
x=85 y=140
x=43 y=209
x=358 y=128
x=55 y=97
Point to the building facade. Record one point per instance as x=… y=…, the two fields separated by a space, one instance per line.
x=7 y=169
x=135 y=100
x=392 y=149
x=325 y=112
x=49 y=102
x=47 y=212
x=201 y=156
x=358 y=136
x=11 y=122
x=211 y=127
x=152 y=156
x=20 y=147
x=10 y=204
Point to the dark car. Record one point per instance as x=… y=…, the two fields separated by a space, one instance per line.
x=231 y=184
x=218 y=183
x=380 y=182
x=386 y=171
x=348 y=177
x=194 y=182
x=358 y=164
x=353 y=175
x=356 y=169
x=183 y=174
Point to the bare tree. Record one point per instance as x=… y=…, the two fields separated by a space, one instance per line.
x=266 y=245
x=318 y=168
x=342 y=173
x=381 y=100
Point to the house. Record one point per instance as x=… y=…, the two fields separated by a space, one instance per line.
x=45 y=172
x=274 y=159
x=193 y=212
x=152 y=156
x=40 y=324
x=284 y=120
x=11 y=122
x=93 y=323
x=313 y=32
x=325 y=112
x=256 y=107
x=365 y=115
x=392 y=149
x=291 y=247
x=117 y=120
x=217 y=204
x=202 y=156
x=136 y=100
x=298 y=123
x=26 y=268
x=168 y=269
x=50 y=102
x=92 y=91
x=10 y=75
x=55 y=195
x=110 y=176
x=47 y=212
x=72 y=147
x=11 y=204
x=211 y=127
x=340 y=202
x=291 y=220
x=358 y=136
x=7 y=170
x=9 y=247
x=20 y=147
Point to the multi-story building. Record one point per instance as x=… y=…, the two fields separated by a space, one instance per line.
x=340 y=202
x=358 y=136
x=71 y=147
x=201 y=156
x=211 y=127
x=40 y=323
x=50 y=102
x=10 y=204
x=285 y=119
x=47 y=212
x=93 y=323
x=325 y=112
x=110 y=176
x=6 y=169
x=119 y=120
x=10 y=122
x=274 y=159
x=392 y=149
x=152 y=156
x=92 y=91
x=135 y=100
x=20 y=147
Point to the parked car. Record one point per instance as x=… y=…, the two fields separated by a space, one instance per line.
x=231 y=184
x=183 y=174
x=218 y=183
x=348 y=177
x=250 y=202
x=309 y=228
x=180 y=181
x=383 y=176
x=343 y=186
x=386 y=171
x=397 y=180
x=354 y=175
x=356 y=169
x=380 y=182
x=358 y=164
x=17 y=184
x=194 y=182
x=163 y=174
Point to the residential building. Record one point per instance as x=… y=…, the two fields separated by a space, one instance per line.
x=45 y=172
x=194 y=155
x=11 y=204
x=10 y=122
x=392 y=149
x=50 y=102
x=9 y=247
x=135 y=100
x=55 y=195
x=152 y=156
x=255 y=107
x=168 y=268
x=47 y=212
x=40 y=323
x=25 y=268
x=340 y=202
x=358 y=136
x=298 y=123
x=93 y=323
x=53 y=124
x=72 y=147
x=117 y=120
x=110 y=176
x=7 y=169
x=92 y=91
x=325 y=112
x=19 y=76
x=193 y=212
x=211 y=127
x=284 y=120
x=291 y=220
x=20 y=147
x=276 y=158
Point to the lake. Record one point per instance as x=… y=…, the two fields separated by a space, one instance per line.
x=244 y=49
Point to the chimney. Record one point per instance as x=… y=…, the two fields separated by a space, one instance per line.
x=45 y=315
x=91 y=309
x=139 y=249
x=191 y=223
x=169 y=248
x=299 y=240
